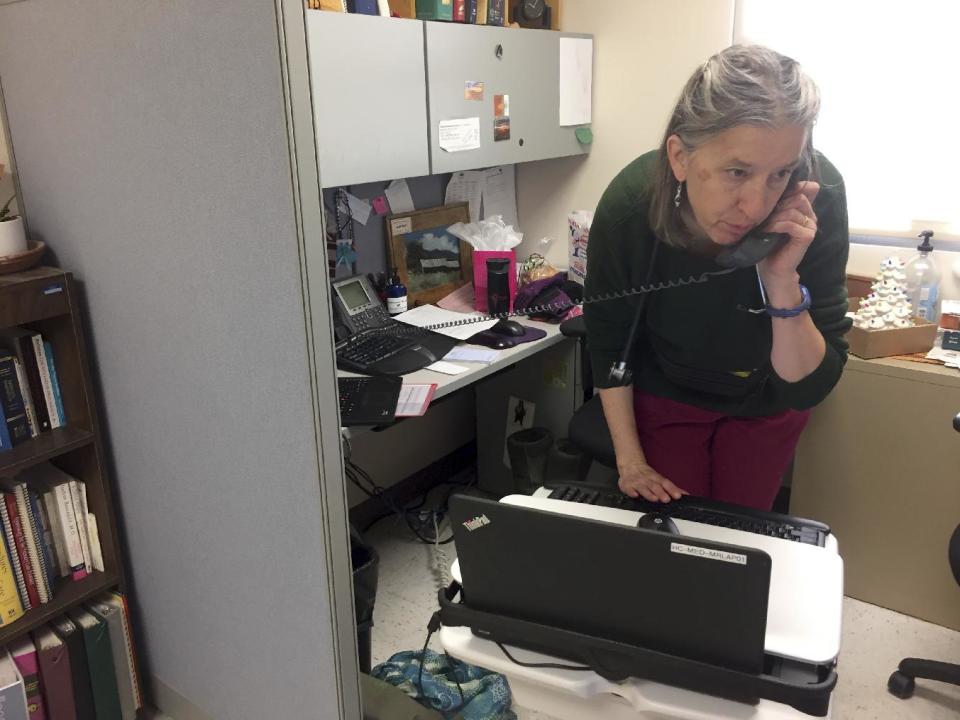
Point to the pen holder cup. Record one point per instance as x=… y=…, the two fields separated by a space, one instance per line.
x=480 y=282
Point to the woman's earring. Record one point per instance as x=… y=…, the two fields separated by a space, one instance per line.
x=676 y=198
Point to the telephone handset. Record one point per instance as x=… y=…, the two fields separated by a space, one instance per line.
x=749 y=251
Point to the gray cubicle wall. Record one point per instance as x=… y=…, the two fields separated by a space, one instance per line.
x=152 y=145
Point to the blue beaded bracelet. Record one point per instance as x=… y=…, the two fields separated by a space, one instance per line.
x=792 y=312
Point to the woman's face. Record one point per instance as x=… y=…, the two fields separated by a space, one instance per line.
x=734 y=180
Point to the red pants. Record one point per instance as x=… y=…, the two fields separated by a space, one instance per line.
x=733 y=459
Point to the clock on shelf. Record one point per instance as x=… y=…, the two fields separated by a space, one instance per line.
x=532 y=14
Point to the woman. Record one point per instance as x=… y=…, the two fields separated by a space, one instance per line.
x=723 y=374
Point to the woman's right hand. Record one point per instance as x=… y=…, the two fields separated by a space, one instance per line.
x=637 y=479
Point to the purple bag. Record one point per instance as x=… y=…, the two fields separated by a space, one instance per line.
x=549 y=291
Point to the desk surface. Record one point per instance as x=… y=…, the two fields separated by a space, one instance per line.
x=447 y=384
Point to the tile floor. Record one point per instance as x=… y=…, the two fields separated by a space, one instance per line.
x=874 y=639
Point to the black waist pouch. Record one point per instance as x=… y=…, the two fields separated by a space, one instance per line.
x=723 y=383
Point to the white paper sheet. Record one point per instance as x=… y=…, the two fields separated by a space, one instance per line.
x=464 y=353
x=398 y=195
x=467 y=187
x=360 y=209
x=576 y=80
x=432 y=315
x=500 y=194
x=447 y=368
x=459 y=135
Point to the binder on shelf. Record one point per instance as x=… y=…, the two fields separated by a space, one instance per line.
x=54 y=660
x=25 y=656
x=103 y=676
x=72 y=637
x=113 y=617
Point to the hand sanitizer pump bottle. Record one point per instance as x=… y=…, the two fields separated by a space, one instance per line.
x=923 y=280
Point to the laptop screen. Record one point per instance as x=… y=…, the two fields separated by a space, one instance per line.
x=680 y=595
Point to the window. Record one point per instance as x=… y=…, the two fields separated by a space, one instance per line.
x=890 y=101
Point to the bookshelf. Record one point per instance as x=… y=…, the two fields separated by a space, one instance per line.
x=44 y=300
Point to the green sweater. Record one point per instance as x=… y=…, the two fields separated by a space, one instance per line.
x=698 y=330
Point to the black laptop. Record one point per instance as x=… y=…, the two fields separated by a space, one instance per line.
x=675 y=594
x=368 y=400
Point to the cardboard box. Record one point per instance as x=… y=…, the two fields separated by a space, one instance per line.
x=895 y=341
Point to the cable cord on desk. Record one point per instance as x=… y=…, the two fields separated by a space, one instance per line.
x=553 y=308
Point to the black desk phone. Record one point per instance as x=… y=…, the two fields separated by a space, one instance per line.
x=357 y=307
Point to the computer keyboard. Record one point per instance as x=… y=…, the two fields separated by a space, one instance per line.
x=363 y=350
x=368 y=400
x=703 y=510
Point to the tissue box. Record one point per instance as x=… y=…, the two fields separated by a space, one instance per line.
x=480 y=258
x=579 y=224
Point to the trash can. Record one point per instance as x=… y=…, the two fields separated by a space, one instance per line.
x=366 y=565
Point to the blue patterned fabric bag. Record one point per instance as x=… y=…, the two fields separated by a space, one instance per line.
x=486 y=694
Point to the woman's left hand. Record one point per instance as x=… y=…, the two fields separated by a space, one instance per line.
x=794 y=216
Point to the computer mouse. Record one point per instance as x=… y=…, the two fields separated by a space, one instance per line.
x=510 y=328
x=491 y=340
x=656 y=521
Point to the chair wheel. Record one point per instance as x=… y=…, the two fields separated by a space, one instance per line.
x=900 y=685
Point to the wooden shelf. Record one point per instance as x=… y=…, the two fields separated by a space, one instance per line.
x=66 y=595
x=43 y=447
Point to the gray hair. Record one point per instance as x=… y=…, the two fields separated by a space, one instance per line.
x=741 y=85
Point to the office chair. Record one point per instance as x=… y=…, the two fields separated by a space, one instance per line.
x=588 y=426
x=901 y=682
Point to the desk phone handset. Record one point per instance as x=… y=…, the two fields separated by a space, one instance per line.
x=753 y=248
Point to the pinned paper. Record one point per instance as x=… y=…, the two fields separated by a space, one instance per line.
x=459 y=135
x=500 y=194
x=380 y=205
x=473 y=90
x=398 y=195
x=576 y=79
x=467 y=187
x=501 y=106
x=359 y=209
x=346 y=255
x=501 y=129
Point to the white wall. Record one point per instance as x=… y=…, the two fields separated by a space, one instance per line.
x=644 y=51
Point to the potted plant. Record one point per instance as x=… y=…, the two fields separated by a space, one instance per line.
x=13 y=238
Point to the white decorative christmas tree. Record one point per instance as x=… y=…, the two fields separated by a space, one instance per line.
x=888 y=305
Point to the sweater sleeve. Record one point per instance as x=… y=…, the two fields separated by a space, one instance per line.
x=824 y=272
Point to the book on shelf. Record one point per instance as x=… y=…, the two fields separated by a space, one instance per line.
x=14 y=425
x=23 y=557
x=103 y=676
x=11 y=548
x=363 y=7
x=120 y=601
x=496 y=12
x=112 y=616
x=72 y=637
x=11 y=607
x=25 y=656
x=53 y=658
x=55 y=487
x=46 y=385
x=30 y=541
x=24 y=388
x=435 y=10
x=460 y=11
x=54 y=383
x=20 y=342
x=13 y=696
